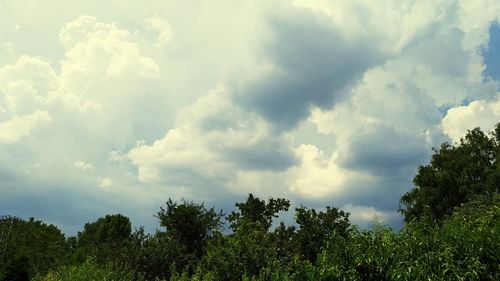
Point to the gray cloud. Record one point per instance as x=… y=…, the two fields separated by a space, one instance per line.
x=383 y=150
x=315 y=65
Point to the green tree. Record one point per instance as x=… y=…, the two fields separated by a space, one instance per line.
x=17 y=269
x=455 y=174
x=158 y=255
x=316 y=227
x=31 y=246
x=90 y=270
x=282 y=241
x=244 y=253
x=257 y=213
x=108 y=239
x=191 y=225
x=250 y=248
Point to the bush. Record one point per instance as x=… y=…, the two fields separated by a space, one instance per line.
x=90 y=270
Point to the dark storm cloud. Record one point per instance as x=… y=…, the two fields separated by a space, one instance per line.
x=316 y=65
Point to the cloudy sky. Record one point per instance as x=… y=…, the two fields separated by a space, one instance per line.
x=115 y=106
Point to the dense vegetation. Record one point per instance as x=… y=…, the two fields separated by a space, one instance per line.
x=451 y=232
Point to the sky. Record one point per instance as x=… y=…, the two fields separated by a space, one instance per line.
x=116 y=106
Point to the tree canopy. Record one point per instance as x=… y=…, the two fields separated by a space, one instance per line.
x=456 y=174
x=28 y=247
x=190 y=224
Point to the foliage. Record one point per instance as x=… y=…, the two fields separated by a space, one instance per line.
x=190 y=224
x=315 y=227
x=256 y=213
x=90 y=270
x=244 y=253
x=16 y=269
x=249 y=248
x=30 y=246
x=158 y=255
x=455 y=174
x=463 y=246
x=108 y=238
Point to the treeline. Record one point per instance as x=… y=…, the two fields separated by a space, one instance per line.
x=451 y=232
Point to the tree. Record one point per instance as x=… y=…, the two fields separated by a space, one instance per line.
x=283 y=242
x=455 y=174
x=158 y=255
x=192 y=225
x=316 y=227
x=29 y=247
x=108 y=238
x=17 y=269
x=250 y=247
x=257 y=213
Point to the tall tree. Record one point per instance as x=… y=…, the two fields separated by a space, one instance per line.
x=250 y=247
x=257 y=213
x=455 y=175
x=16 y=269
x=108 y=238
x=315 y=227
x=192 y=225
x=157 y=256
x=29 y=247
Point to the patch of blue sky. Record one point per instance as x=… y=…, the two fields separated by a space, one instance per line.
x=491 y=53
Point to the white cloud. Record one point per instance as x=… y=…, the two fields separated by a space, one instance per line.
x=84 y=166
x=15 y=129
x=213 y=141
x=88 y=106
x=318 y=175
x=163 y=29
x=481 y=113
x=27 y=85
x=104 y=56
x=105 y=182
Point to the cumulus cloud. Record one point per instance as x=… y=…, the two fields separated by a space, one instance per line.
x=213 y=139
x=318 y=175
x=323 y=102
x=98 y=53
x=17 y=127
x=160 y=26
x=61 y=121
x=481 y=113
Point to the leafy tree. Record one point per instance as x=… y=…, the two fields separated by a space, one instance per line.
x=474 y=230
x=191 y=225
x=257 y=213
x=30 y=246
x=455 y=174
x=244 y=253
x=17 y=269
x=108 y=238
x=90 y=270
x=158 y=255
x=250 y=248
x=316 y=227
x=282 y=241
